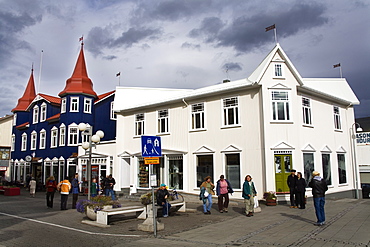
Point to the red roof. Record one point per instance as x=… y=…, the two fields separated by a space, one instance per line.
x=51 y=99
x=56 y=116
x=28 y=95
x=104 y=95
x=79 y=81
x=24 y=125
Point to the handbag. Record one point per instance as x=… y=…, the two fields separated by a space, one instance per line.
x=206 y=194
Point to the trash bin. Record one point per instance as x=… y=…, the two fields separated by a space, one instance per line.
x=365 y=191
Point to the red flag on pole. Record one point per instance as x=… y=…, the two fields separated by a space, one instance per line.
x=336 y=65
x=80 y=39
x=270 y=28
x=118 y=74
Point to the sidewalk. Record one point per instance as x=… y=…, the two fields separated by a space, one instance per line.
x=348 y=223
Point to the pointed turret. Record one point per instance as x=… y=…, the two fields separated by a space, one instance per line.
x=28 y=96
x=79 y=83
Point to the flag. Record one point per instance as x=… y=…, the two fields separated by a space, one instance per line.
x=118 y=74
x=80 y=39
x=336 y=65
x=270 y=27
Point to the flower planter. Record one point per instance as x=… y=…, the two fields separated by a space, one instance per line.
x=92 y=215
x=270 y=202
x=13 y=191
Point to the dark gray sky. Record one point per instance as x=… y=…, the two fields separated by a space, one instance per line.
x=178 y=43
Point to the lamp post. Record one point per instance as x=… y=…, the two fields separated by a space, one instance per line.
x=353 y=135
x=92 y=141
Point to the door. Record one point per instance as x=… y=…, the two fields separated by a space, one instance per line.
x=283 y=165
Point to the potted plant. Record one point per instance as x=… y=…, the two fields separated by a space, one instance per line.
x=270 y=198
x=97 y=203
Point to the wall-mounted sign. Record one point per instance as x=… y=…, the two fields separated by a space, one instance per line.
x=363 y=138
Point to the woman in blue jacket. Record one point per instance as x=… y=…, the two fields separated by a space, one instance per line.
x=249 y=192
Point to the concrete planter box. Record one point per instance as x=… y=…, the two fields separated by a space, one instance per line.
x=13 y=191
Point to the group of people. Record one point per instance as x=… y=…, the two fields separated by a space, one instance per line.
x=297 y=187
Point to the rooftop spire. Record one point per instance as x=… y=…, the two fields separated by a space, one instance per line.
x=79 y=81
x=28 y=95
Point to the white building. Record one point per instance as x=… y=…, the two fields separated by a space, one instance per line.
x=6 y=124
x=264 y=125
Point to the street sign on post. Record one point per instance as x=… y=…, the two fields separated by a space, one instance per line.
x=151 y=146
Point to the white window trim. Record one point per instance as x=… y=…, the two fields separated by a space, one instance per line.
x=339 y=118
x=303 y=112
x=54 y=130
x=71 y=126
x=63 y=106
x=43 y=112
x=15 y=119
x=87 y=104
x=35 y=114
x=289 y=103
x=237 y=111
x=42 y=140
x=62 y=138
x=282 y=70
x=72 y=104
x=24 y=142
x=33 y=140
x=136 y=125
x=113 y=115
x=12 y=147
x=191 y=117
x=166 y=119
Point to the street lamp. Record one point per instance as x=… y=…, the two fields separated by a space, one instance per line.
x=92 y=141
x=353 y=135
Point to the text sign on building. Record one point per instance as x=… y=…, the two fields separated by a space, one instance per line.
x=363 y=138
x=151 y=160
x=151 y=146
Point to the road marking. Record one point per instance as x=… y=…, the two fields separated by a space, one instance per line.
x=70 y=228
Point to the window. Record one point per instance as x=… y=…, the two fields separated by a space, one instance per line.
x=326 y=168
x=342 y=173
x=204 y=167
x=162 y=121
x=13 y=143
x=278 y=70
x=280 y=106
x=175 y=165
x=43 y=112
x=87 y=105
x=233 y=170
x=54 y=137
x=337 y=123
x=306 y=107
x=74 y=104
x=63 y=107
x=113 y=115
x=231 y=112
x=139 y=124
x=35 y=114
x=308 y=163
x=33 y=140
x=197 y=116
x=73 y=135
x=62 y=135
x=24 y=142
x=42 y=139
x=15 y=119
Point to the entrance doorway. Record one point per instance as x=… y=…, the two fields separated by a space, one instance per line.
x=283 y=166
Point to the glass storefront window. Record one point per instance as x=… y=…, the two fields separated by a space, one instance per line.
x=233 y=170
x=204 y=168
x=308 y=163
x=175 y=164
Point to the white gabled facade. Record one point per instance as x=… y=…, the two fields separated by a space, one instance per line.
x=264 y=125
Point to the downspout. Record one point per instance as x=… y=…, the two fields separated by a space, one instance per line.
x=183 y=100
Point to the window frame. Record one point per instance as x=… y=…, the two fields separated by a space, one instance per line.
x=139 y=124
x=278 y=67
x=62 y=135
x=43 y=112
x=340 y=181
x=163 y=121
x=74 y=105
x=326 y=168
x=87 y=105
x=306 y=111
x=54 y=137
x=12 y=147
x=337 y=118
x=73 y=137
x=33 y=140
x=24 y=142
x=63 y=105
x=198 y=116
x=226 y=122
x=42 y=143
x=113 y=115
x=227 y=168
x=275 y=106
x=35 y=114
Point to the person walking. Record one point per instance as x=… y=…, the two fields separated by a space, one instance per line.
x=249 y=192
x=300 y=191
x=319 y=187
x=292 y=181
x=51 y=186
x=206 y=192
x=75 y=190
x=64 y=187
x=94 y=188
x=162 y=196
x=223 y=188
x=109 y=183
x=32 y=186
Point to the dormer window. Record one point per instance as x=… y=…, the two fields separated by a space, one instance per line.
x=43 y=112
x=87 y=105
x=35 y=114
x=74 y=104
x=63 y=106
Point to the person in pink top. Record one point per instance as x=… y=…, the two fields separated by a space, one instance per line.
x=223 y=189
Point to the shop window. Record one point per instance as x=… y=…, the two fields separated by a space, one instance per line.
x=326 y=168
x=204 y=168
x=233 y=170
x=309 y=166
x=342 y=172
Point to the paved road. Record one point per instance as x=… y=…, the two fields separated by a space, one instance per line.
x=26 y=221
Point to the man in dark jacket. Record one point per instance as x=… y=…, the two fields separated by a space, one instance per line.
x=319 y=187
x=162 y=195
x=292 y=183
x=109 y=183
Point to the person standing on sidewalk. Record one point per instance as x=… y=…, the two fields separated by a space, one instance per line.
x=162 y=196
x=94 y=188
x=75 y=190
x=64 y=187
x=319 y=187
x=292 y=183
x=51 y=186
x=223 y=188
x=300 y=191
x=206 y=189
x=109 y=183
x=32 y=186
x=249 y=192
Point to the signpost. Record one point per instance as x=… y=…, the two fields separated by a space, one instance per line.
x=151 y=150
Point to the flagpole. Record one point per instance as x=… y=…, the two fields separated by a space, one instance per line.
x=276 y=41
x=42 y=53
x=340 y=71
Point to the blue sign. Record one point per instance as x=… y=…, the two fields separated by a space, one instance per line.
x=151 y=146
